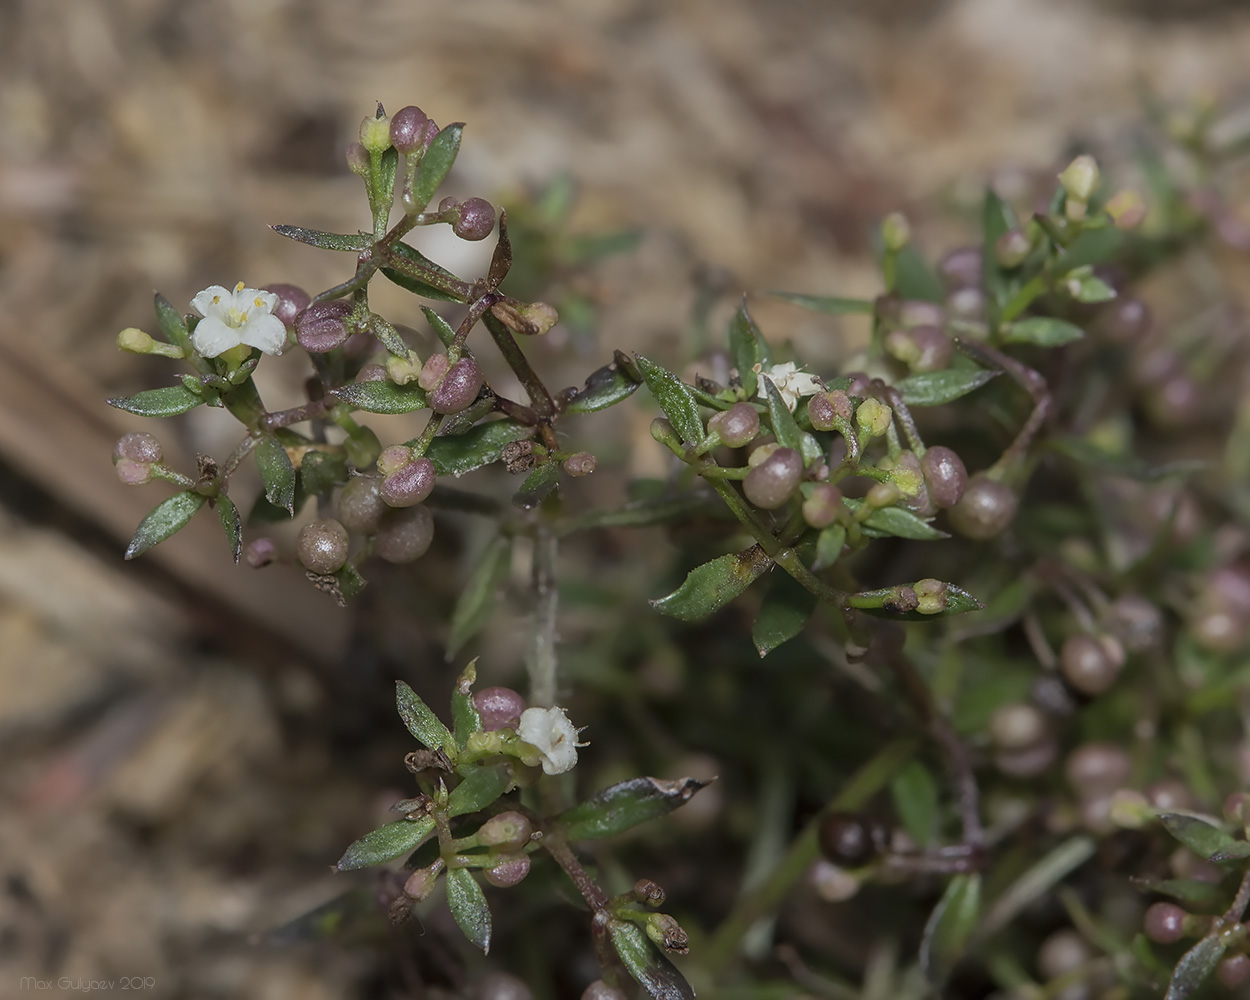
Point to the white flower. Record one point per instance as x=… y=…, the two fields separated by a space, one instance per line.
x=550 y=731
x=244 y=316
x=790 y=381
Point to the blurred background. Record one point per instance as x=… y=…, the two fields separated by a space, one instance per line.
x=176 y=781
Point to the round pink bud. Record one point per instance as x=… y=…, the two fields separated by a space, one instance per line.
x=322 y=546
x=510 y=830
x=408 y=129
x=961 y=268
x=1233 y=972
x=323 y=327
x=476 y=221
x=581 y=463
x=420 y=883
x=393 y=458
x=372 y=372
x=433 y=371
x=459 y=387
x=499 y=708
x=821 y=508
x=137 y=446
x=132 y=473
x=736 y=426
x=292 y=300
x=357 y=159
x=1164 y=923
x=260 y=552
x=771 y=483
x=509 y=871
x=410 y=484
x=405 y=535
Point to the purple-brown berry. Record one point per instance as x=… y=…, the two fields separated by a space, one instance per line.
x=771 y=483
x=322 y=546
x=458 y=388
x=409 y=484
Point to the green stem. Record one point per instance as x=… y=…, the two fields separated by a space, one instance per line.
x=541 y=661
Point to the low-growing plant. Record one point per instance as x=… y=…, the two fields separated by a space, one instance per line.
x=995 y=566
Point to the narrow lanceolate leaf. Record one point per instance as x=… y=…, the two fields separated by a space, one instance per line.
x=1199 y=834
x=440 y=326
x=935 y=388
x=748 y=348
x=829 y=545
x=171 y=323
x=277 y=473
x=163 y=520
x=605 y=387
x=409 y=268
x=894 y=521
x=386 y=843
x=461 y=453
x=782 y=615
x=167 y=402
x=436 y=162
x=714 y=584
x=997 y=218
x=382 y=396
x=950 y=926
x=482 y=787
x=830 y=305
x=914 y=278
x=230 y=524
x=1045 y=331
x=468 y=906
x=675 y=400
x=1205 y=896
x=1195 y=966
x=915 y=795
x=537 y=486
x=422 y=722
x=654 y=972
x=620 y=807
x=785 y=430
x=387 y=335
x=351 y=242
x=476 y=600
x=466 y=720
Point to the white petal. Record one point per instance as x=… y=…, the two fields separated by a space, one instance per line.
x=258 y=298
x=213 y=301
x=263 y=330
x=212 y=336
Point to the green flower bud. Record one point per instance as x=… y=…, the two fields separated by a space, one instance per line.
x=873 y=417
x=1080 y=178
x=895 y=231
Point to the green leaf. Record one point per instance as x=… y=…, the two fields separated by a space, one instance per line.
x=605 y=387
x=537 y=485
x=387 y=335
x=785 y=430
x=423 y=723
x=382 y=396
x=828 y=304
x=468 y=906
x=1093 y=289
x=1203 y=895
x=409 y=268
x=163 y=520
x=167 y=402
x=477 y=598
x=654 y=972
x=1037 y=882
x=349 y=580
x=483 y=444
x=877 y=603
x=936 y=388
x=172 y=324
x=419 y=287
x=1045 y=331
x=1196 y=965
x=229 y=515
x=465 y=717
x=386 y=843
x=997 y=217
x=914 y=279
x=950 y=926
x=1237 y=851
x=442 y=329
x=915 y=795
x=480 y=788
x=350 y=242
x=1119 y=464
x=622 y=806
x=895 y=521
x=786 y=607
x=675 y=400
x=436 y=162
x=747 y=348
x=714 y=584
x=321 y=471
x=829 y=544
x=277 y=473
x=1198 y=833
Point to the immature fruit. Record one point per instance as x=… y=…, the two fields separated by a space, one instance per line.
x=1164 y=923
x=409 y=484
x=737 y=426
x=945 y=475
x=771 y=483
x=405 y=534
x=137 y=446
x=292 y=300
x=961 y=268
x=509 y=830
x=458 y=388
x=826 y=408
x=1087 y=664
x=322 y=546
x=411 y=131
x=360 y=505
x=846 y=839
x=499 y=708
x=323 y=327
x=985 y=510
x=477 y=220
x=509 y=871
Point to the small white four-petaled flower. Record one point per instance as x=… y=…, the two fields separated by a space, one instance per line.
x=550 y=731
x=790 y=381
x=244 y=316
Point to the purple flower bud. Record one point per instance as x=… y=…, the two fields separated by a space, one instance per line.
x=433 y=371
x=499 y=708
x=132 y=473
x=322 y=546
x=358 y=159
x=393 y=458
x=408 y=128
x=137 y=446
x=961 y=268
x=292 y=300
x=477 y=220
x=459 y=387
x=409 y=484
x=1164 y=923
x=737 y=426
x=260 y=552
x=322 y=327
x=771 y=483
x=372 y=372
x=405 y=535
x=821 y=508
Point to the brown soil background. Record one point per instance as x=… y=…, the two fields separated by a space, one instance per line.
x=168 y=790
